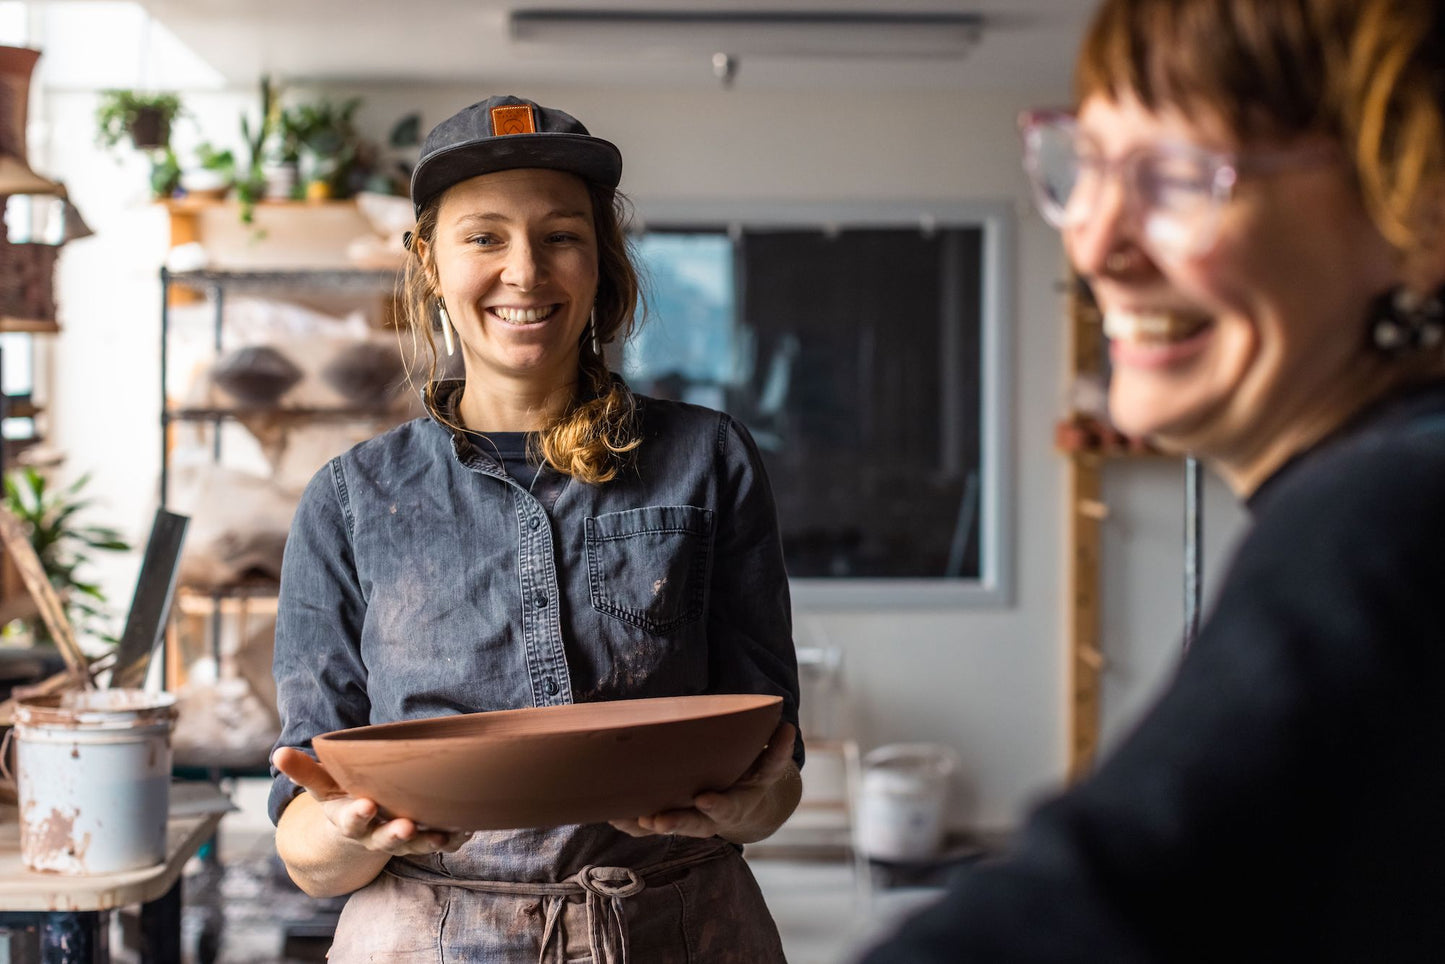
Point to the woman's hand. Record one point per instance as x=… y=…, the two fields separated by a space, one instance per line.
x=356 y=818
x=749 y=810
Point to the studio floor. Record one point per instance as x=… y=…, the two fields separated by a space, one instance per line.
x=241 y=909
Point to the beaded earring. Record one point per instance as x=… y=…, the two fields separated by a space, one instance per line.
x=1402 y=320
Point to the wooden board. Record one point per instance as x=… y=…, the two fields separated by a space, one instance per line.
x=52 y=612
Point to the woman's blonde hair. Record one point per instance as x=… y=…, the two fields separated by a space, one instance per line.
x=592 y=438
x=1369 y=74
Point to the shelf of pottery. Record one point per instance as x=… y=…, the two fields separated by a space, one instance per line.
x=276 y=356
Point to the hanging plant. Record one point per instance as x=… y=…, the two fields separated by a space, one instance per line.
x=143 y=119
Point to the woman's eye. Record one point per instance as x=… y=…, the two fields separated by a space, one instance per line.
x=482 y=240
x=561 y=237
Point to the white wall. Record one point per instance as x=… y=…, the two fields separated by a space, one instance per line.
x=990 y=682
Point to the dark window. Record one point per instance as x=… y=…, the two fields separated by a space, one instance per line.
x=853 y=356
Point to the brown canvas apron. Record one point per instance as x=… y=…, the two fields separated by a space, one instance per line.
x=701 y=908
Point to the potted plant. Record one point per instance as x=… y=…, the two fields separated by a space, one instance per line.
x=144 y=119
x=63 y=546
x=214 y=175
x=271 y=173
x=281 y=156
x=327 y=146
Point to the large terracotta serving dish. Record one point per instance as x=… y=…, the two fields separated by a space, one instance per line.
x=552 y=765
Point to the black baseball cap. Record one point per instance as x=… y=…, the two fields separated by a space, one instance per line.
x=505 y=132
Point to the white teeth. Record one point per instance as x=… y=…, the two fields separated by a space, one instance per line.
x=520 y=316
x=1156 y=325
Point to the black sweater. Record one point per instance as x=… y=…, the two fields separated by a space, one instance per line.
x=1285 y=798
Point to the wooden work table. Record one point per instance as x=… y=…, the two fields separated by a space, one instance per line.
x=72 y=914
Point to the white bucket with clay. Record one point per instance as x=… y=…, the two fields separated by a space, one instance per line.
x=901 y=803
x=93 y=776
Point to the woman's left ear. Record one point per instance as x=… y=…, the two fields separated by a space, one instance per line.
x=418 y=247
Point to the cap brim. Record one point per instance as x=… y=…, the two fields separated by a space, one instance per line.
x=590 y=158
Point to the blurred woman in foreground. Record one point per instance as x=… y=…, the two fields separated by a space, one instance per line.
x=1254 y=190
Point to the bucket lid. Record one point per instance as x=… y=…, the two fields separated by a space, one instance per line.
x=108 y=708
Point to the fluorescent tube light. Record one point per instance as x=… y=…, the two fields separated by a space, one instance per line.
x=752 y=32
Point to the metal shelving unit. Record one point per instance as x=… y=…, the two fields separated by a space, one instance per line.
x=212 y=287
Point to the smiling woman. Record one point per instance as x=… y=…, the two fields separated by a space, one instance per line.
x=544 y=537
x=1254 y=191
x=515 y=261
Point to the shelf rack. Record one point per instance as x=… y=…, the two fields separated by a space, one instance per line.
x=1089 y=445
x=214 y=284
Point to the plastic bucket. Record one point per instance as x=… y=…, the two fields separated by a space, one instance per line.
x=93 y=776
x=901 y=800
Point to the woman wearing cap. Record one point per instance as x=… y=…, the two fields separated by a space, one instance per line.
x=543 y=537
x=1254 y=190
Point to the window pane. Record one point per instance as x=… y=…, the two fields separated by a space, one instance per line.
x=17 y=373
x=853 y=358
x=686 y=349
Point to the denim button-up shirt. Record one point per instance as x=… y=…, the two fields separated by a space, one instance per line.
x=421 y=580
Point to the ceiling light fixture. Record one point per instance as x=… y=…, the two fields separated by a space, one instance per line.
x=776 y=33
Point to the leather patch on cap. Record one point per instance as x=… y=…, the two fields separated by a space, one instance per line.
x=514 y=119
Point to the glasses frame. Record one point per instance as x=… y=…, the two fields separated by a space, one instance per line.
x=1224 y=168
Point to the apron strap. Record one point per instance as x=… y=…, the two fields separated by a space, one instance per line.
x=555 y=904
x=602 y=888
x=606 y=888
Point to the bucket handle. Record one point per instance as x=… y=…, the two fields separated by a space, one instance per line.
x=5 y=745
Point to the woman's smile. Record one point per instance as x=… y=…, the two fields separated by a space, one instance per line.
x=521 y=317
x=1156 y=339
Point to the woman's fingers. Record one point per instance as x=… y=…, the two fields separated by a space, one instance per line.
x=353 y=818
x=358 y=818
x=715 y=812
x=306 y=773
x=774 y=759
x=682 y=823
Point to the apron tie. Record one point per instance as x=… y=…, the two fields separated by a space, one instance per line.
x=555 y=904
x=603 y=888
x=606 y=888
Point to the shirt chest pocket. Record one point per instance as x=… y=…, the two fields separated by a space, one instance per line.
x=649 y=566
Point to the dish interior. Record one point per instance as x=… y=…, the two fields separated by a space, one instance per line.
x=568 y=718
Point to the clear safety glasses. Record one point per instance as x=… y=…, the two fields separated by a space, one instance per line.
x=1174 y=192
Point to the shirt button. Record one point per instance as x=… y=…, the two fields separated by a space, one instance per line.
x=535 y=521
x=540 y=601
x=549 y=686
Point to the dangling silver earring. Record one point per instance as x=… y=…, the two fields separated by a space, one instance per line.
x=446 y=320
x=592 y=328
x=1403 y=320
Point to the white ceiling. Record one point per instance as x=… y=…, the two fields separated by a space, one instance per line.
x=1027 y=44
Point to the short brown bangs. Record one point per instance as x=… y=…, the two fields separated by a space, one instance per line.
x=1258 y=67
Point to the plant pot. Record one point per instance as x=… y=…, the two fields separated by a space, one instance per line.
x=281 y=179
x=150 y=129
x=205 y=183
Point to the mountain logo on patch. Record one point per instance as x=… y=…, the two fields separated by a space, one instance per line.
x=513 y=119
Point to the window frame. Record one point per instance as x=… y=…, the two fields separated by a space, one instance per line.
x=994 y=585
